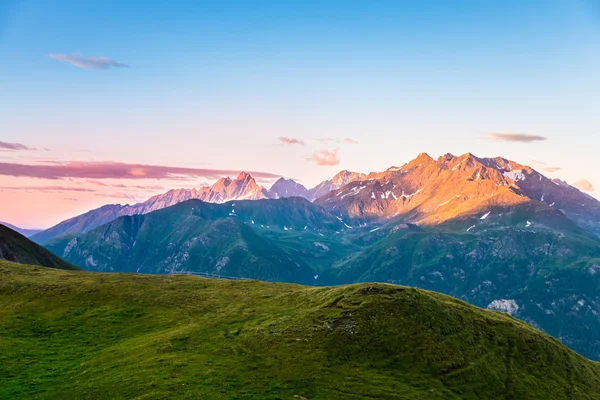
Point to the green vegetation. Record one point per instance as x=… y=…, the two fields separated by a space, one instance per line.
x=16 y=247
x=75 y=335
x=538 y=259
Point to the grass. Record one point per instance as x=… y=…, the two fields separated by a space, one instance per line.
x=75 y=334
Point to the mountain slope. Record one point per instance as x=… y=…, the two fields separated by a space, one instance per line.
x=208 y=238
x=340 y=179
x=99 y=336
x=539 y=274
x=288 y=188
x=428 y=191
x=24 y=232
x=16 y=247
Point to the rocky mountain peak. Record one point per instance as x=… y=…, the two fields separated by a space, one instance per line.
x=344 y=177
x=244 y=176
x=288 y=188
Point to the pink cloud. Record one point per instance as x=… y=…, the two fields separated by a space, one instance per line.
x=290 y=141
x=325 y=157
x=115 y=170
x=328 y=140
x=514 y=137
x=119 y=195
x=141 y=187
x=48 y=188
x=584 y=185
x=14 y=146
x=97 y=183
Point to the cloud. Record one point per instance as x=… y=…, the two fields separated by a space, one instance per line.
x=48 y=188
x=325 y=157
x=120 y=195
x=329 y=140
x=514 y=137
x=545 y=167
x=290 y=141
x=140 y=187
x=584 y=185
x=80 y=61
x=14 y=146
x=97 y=183
x=116 y=170
x=551 y=169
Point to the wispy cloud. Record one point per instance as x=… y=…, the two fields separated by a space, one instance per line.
x=290 y=141
x=119 y=195
x=329 y=140
x=325 y=157
x=97 y=183
x=545 y=167
x=514 y=137
x=551 y=169
x=14 y=146
x=116 y=170
x=48 y=188
x=584 y=185
x=81 y=61
x=139 y=187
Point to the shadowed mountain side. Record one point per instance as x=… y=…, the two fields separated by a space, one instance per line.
x=16 y=247
x=200 y=237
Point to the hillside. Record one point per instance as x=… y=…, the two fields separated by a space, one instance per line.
x=99 y=336
x=206 y=238
x=16 y=247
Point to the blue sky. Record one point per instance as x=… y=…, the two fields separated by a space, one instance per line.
x=214 y=84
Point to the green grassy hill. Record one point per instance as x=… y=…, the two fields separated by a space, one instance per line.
x=75 y=334
x=16 y=247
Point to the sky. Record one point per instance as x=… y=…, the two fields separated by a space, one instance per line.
x=113 y=102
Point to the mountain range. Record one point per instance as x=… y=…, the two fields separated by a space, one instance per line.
x=430 y=192
x=486 y=230
x=423 y=191
x=489 y=231
x=244 y=187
